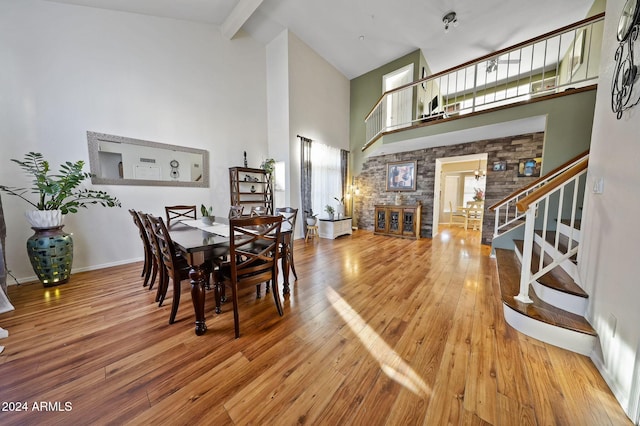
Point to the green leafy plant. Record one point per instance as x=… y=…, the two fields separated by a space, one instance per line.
x=58 y=191
x=206 y=212
x=310 y=213
x=268 y=165
x=329 y=209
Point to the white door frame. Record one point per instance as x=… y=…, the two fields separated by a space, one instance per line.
x=438 y=182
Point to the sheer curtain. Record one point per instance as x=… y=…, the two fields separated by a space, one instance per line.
x=326 y=177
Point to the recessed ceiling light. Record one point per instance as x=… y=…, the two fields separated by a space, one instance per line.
x=361 y=37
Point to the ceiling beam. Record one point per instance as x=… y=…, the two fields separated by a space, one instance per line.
x=238 y=16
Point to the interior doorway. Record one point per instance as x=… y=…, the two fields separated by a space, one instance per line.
x=399 y=104
x=456 y=183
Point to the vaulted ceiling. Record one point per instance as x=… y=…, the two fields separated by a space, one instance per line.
x=357 y=36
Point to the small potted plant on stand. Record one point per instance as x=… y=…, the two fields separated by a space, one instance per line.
x=207 y=215
x=330 y=211
x=50 y=249
x=311 y=218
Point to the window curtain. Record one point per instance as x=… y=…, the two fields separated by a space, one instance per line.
x=305 y=178
x=344 y=173
x=325 y=176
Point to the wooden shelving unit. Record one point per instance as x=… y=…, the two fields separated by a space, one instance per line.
x=251 y=187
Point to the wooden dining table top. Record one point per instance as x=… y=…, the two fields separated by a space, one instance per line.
x=191 y=239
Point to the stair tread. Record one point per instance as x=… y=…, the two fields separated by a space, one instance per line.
x=509 y=278
x=557 y=278
x=576 y=223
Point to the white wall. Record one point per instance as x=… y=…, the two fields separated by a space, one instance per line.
x=314 y=104
x=67 y=69
x=610 y=266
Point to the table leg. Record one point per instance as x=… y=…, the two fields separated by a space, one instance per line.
x=285 y=264
x=198 y=279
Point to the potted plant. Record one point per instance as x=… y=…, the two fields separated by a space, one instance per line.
x=311 y=218
x=207 y=214
x=57 y=195
x=268 y=165
x=330 y=211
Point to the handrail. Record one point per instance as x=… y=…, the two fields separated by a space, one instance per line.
x=544 y=190
x=545 y=209
x=539 y=180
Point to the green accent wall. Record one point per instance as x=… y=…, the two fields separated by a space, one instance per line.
x=366 y=90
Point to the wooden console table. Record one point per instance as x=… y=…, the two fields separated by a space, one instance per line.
x=398 y=221
x=333 y=228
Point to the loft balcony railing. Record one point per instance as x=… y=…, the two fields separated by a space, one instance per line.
x=564 y=59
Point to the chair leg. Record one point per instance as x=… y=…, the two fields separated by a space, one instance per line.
x=146 y=270
x=217 y=292
x=154 y=273
x=236 y=317
x=258 y=295
x=163 y=285
x=276 y=296
x=176 y=299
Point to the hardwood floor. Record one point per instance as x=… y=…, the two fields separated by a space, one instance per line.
x=377 y=330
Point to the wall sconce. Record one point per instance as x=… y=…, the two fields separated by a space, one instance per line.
x=448 y=19
x=625 y=73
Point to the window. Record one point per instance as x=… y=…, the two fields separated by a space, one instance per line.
x=326 y=179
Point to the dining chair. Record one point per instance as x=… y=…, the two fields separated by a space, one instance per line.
x=289 y=217
x=475 y=213
x=177 y=268
x=149 y=264
x=235 y=211
x=158 y=264
x=179 y=212
x=258 y=211
x=457 y=213
x=253 y=255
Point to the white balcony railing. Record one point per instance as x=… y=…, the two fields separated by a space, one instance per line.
x=564 y=59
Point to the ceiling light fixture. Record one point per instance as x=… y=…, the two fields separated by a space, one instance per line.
x=448 y=19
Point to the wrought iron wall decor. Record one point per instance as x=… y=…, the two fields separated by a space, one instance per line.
x=626 y=71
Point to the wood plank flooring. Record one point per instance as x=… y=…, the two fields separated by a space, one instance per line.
x=377 y=330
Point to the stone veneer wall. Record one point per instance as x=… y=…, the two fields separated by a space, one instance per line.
x=372 y=180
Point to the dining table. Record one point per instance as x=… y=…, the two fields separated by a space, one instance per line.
x=200 y=243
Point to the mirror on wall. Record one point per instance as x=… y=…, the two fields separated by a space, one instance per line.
x=118 y=160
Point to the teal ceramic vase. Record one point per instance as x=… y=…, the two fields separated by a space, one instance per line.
x=50 y=251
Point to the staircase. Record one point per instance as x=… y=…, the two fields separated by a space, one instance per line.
x=536 y=244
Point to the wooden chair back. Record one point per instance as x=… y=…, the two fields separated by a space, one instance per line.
x=235 y=212
x=149 y=260
x=289 y=216
x=179 y=212
x=253 y=254
x=258 y=211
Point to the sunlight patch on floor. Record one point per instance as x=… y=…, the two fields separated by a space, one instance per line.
x=390 y=362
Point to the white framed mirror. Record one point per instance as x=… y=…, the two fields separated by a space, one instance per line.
x=119 y=160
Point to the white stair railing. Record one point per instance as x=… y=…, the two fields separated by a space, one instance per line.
x=564 y=192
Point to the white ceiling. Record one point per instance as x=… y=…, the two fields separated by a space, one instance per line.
x=358 y=36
